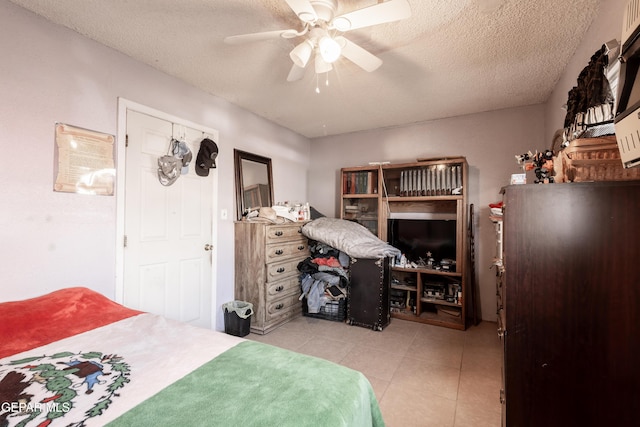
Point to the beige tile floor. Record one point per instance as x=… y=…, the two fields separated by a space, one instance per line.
x=423 y=375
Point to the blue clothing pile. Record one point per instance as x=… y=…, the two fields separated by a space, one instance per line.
x=324 y=275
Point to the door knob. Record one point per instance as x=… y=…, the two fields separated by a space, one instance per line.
x=208 y=247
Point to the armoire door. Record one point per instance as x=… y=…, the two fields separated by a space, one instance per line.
x=572 y=296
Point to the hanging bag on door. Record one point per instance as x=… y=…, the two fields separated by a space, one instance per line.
x=169 y=166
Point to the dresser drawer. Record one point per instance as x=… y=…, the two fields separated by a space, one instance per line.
x=283 y=233
x=287 y=306
x=280 y=251
x=283 y=288
x=280 y=270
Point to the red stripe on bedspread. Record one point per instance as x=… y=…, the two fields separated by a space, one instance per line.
x=38 y=321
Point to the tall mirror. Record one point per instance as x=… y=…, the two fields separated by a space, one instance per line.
x=254 y=182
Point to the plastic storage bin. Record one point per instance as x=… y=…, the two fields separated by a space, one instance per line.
x=333 y=310
x=237 y=318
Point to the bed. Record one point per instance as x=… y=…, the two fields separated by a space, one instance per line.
x=75 y=358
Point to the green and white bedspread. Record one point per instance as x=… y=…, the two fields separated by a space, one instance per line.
x=254 y=384
x=148 y=370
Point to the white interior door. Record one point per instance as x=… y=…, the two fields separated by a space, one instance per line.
x=168 y=229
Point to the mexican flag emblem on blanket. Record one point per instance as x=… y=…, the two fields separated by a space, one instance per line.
x=35 y=391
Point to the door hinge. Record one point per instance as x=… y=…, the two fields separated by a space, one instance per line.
x=125 y=241
x=126 y=140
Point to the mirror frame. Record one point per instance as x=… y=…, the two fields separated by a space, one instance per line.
x=239 y=156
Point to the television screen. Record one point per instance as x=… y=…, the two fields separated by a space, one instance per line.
x=416 y=237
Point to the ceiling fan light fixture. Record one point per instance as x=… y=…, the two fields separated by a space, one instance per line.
x=322 y=30
x=301 y=54
x=329 y=49
x=321 y=65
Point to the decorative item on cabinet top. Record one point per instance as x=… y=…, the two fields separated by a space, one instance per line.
x=594 y=159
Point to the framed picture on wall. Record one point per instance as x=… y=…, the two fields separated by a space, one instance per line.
x=83 y=161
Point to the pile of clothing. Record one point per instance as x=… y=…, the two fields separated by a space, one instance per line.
x=324 y=275
x=590 y=105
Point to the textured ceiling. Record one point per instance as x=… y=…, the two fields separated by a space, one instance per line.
x=452 y=57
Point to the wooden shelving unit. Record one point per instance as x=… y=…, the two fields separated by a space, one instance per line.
x=360 y=201
x=427 y=189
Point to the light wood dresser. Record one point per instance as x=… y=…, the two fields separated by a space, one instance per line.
x=266 y=271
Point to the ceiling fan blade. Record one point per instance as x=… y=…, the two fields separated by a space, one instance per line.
x=296 y=73
x=388 y=11
x=256 y=37
x=303 y=9
x=359 y=56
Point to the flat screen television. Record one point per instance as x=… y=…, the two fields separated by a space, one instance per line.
x=416 y=237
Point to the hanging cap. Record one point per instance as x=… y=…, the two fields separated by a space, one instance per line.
x=182 y=151
x=206 y=158
x=168 y=169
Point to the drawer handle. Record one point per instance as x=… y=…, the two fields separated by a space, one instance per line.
x=279 y=252
x=279 y=288
x=280 y=270
x=279 y=306
x=279 y=233
x=301 y=248
x=300 y=230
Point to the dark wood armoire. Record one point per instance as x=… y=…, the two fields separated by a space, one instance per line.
x=571 y=295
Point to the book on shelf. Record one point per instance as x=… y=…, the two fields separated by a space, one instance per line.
x=434 y=180
x=361 y=182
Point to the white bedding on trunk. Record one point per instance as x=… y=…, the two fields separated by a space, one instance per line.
x=349 y=237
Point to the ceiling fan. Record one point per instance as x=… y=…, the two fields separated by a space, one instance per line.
x=323 y=34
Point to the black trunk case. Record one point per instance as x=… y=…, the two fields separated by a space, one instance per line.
x=368 y=303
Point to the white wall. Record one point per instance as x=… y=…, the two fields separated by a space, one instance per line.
x=49 y=74
x=490 y=141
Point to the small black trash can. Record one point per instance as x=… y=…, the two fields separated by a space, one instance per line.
x=237 y=318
